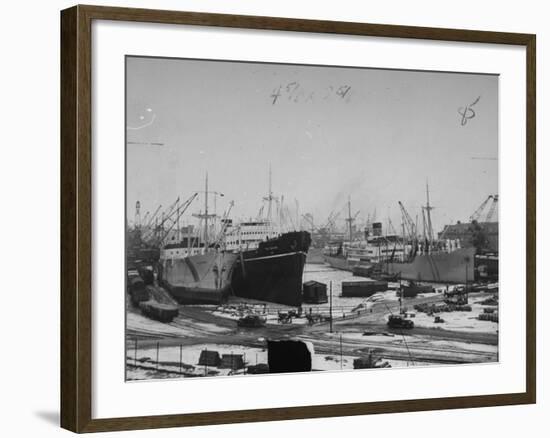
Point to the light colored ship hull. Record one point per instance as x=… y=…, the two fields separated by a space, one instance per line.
x=338 y=262
x=454 y=267
x=315 y=256
x=199 y=279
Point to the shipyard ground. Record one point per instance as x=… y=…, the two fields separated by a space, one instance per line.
x=197 y=326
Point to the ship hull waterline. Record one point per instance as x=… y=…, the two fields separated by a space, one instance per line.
x=199 y=279
x=275 y=279
x=453 y=267
x=274 y=271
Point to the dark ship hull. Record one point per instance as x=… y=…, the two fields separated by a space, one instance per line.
x=273 y=272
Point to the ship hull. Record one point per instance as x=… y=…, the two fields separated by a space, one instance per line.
x=454 y=267
x=339 y=262
x=199 y=279
x=315 y=256
x=274 y=271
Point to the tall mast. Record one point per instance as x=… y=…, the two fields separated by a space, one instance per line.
x=428 y=209
x=270 y=195
x=206 y=215
x=298 y=228
x=350 y=219
x=269 y=198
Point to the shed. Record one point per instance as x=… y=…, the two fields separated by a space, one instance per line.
x=232 y=361
x=363 y=288
x=315 y=292
x=209 y=358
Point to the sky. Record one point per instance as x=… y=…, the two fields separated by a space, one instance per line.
x=329 y=133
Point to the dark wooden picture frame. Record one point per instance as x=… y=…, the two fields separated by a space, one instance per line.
x=76 y=217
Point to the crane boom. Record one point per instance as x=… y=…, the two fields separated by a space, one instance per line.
x=180 y=212
x=492 y=209
x=408 y=222
x=225 y=225
x=476 y=214
x=154 y=215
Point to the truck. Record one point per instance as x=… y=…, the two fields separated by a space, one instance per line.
x=158 y=311
x=136 y=288
x=251 y=321
x=458 y=296
x=398 y=321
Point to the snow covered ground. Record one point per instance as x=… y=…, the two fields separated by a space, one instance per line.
x=169 y=361
x=140 y=323
x=459 y=321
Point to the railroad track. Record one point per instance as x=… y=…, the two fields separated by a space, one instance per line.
x=420 y=353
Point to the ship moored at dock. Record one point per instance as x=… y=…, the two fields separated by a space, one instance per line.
x=273 y=271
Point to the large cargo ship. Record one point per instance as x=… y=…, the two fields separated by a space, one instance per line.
x=270 y=260
x=273 y=271
x=429 y=259
x=415 y=255
x=196 y=269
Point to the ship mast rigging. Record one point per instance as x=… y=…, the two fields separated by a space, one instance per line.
x=270 y=197
x=427 y=219
x=206 y=215
x=350 y=219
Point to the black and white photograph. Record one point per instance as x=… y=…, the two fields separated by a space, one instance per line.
x=307 y=218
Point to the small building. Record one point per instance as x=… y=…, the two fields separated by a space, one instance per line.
x=289 y=356
x=315 y=292
x=471 y=234
x=209 y=358
x=232 y=361
x=363 y=288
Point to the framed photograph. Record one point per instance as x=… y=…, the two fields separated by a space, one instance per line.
x=271 y=218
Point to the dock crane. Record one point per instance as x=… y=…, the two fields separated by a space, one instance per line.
x=153 y=216
x=165 y=216
x=308 y=217
x=145 y=217
x=408 y=223
x=179 y=211
x=225 y=225
x=490 y=213
x=331 y=223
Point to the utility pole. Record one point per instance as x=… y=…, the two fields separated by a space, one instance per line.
x=341 y=355
x=330 y=307
x=157 y=355
x=400 y=294
x=467 y=260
